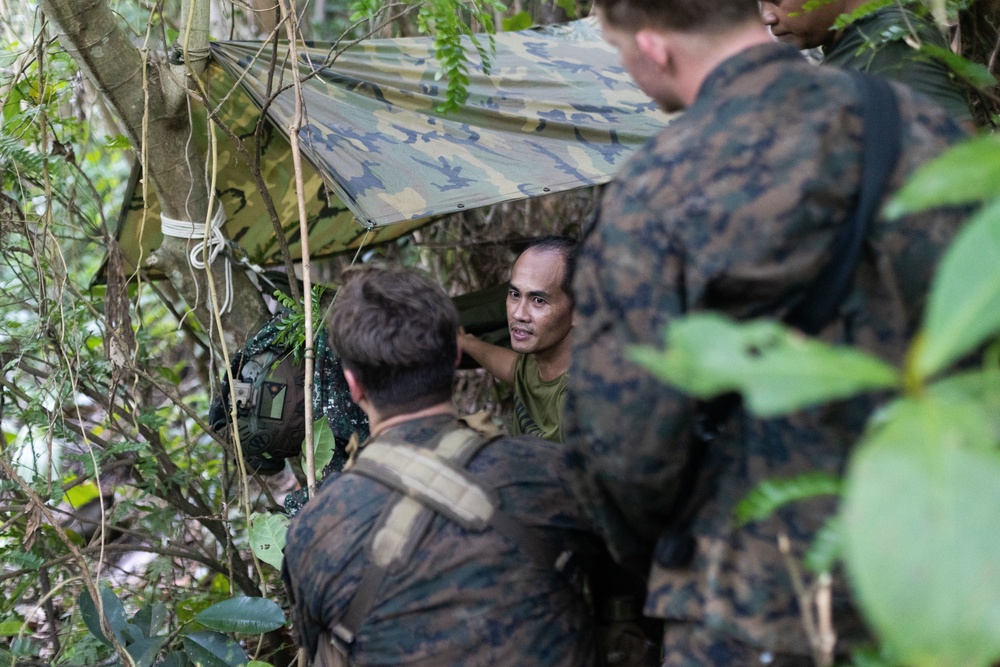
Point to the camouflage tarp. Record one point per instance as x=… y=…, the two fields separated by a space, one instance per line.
x=557 y=112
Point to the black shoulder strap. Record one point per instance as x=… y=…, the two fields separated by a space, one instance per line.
x=881 y=144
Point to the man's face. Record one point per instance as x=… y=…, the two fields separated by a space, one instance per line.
x=643 y=69
x=802 y=28
x=539 y=313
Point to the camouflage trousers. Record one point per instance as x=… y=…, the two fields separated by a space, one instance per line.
x=692 y=645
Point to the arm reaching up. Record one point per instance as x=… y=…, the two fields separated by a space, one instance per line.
x=498 y=361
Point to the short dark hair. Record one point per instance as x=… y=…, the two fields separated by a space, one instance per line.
x=397 y=331
x=695 y=15
x=565 y=246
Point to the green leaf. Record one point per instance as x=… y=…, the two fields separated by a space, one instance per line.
x=964 y=174
x=25 y=560
x=267 y=537
x=114 y=612
x=568 y=6
x=772 y=494
x=119 y=141
x=777 y=371
x=323 y=443
x=6 y=658
x=921 y=497
x=520 y=21
x=12 y=628
x=174 y=659
x=825 y=550
x=81 y=494
x=258 y=663
x=150 y=618
x=169 y=374
x=211 y=649
x=12 y=105
x=976 y=74
x=964 y=306
x=981 y=387
x=845 y=20
x=144 y=650
x=870 y=657
x=245 y=615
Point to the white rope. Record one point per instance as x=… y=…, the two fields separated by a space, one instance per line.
x=211 y=244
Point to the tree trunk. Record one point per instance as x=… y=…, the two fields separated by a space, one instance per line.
x=93 y=36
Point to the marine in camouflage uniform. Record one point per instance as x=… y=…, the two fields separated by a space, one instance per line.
x=733 y=208
x=878 y=43
x=462 y=597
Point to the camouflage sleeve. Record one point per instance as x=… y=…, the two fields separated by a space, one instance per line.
x=628 y=433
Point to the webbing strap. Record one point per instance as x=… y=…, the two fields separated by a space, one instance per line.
x=428 y=482
x=401 y=527
x=427 y=477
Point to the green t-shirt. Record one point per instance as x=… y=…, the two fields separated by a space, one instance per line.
x=538 y=405
x=875 y=44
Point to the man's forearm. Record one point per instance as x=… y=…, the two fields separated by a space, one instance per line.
x=498 y=361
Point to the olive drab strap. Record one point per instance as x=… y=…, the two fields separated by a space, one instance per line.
x=427 y=482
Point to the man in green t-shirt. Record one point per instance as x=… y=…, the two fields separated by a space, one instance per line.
x=539 y=318
x=886 y=43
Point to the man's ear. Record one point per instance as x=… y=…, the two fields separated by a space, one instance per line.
x=655 y=45
x=357 y=391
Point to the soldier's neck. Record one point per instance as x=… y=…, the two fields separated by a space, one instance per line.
x=377 y=425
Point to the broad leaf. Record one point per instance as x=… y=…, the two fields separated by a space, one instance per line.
x=244 y=615
x=921 y=496
x=211 y=649
x=772 y=494
x=173 y=659
x=323 y=443
x=258 y=663
x=777 y=370
x=150 y=618
x=144 y=651
x=964 y=306
x=964 y=174
x=113 y=611
x=267 y=537
x=981 y=387
x=976 y=74
x=13 y=628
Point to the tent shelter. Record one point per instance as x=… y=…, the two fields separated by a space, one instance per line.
x=556 y=112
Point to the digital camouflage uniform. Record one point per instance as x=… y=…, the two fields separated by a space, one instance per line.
x=877 y=44
x=733 y=208
x=463 y=598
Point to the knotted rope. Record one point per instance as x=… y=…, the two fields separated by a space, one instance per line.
x=211 y=244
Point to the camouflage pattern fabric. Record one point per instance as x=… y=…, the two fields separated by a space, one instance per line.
x=877 y=44
x=690 y=645
x=331 y=399
x=331 y=396
x=464 y=598
x=557 y=112
x=734 y=209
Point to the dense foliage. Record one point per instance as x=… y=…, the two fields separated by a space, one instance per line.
x=115 y=494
